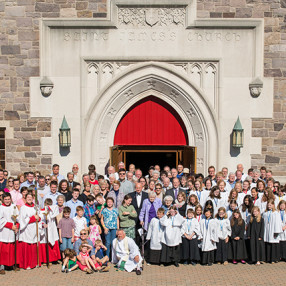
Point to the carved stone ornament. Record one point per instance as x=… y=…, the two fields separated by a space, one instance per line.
x=255 y=87
x=144 y=17
x=46 y=86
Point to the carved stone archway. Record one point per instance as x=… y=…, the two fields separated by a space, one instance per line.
x=140 y=81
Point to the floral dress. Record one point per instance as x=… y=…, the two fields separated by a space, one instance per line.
x=94 y=233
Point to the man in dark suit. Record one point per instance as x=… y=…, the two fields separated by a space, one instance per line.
x=175 y=190
x=137 y=200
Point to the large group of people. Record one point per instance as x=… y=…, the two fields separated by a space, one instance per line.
x=168 y=216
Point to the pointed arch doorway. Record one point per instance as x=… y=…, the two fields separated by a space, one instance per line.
x=151 y=132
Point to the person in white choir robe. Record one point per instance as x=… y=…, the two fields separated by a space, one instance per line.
x=245 y=190
x=53 y=236
x=223 y=234
x=190 y=233
x=222 y=187
x=126 y=254
x=217 y=200
x=255 y=198
x=267 y=195
x=280 y=195
x=272 y=229
x=8 y=229
x=208 y=236
x=27 y=246
x=282 y=236
x=172 y=222
x=201 y=194
x=231 y=207
x=154 y=234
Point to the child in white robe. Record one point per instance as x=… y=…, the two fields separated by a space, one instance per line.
x=272 y=229
x=217 y=200
x=232 y=206
x=223 y=233
x=154 y=234
x=190 y=232
x=27 y=246
x=172 y=237
x=208 y=236
x=282 y=236
x=8 y=229
x=49 y=228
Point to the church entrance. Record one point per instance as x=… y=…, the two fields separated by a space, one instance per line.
x=145 y=156
x=152 y=133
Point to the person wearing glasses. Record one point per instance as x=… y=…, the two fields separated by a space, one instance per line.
x=159 y=192
x=77 y=244
x=125 y=186
x=10 y=184
x=77 y=176
x=43 y=190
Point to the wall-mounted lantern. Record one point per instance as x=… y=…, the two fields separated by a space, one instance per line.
x=46 y=86
x=237 y=135
x=65 y=134
x=255 y=87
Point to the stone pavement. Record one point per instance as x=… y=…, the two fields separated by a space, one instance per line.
x=266 y=274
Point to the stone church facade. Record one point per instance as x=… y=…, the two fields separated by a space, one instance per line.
x=203 y=57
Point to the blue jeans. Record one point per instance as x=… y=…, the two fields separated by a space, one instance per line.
x=66 y=244
x=109 y=238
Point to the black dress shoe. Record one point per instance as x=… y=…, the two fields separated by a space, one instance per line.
x=138 y=272
x=177 y=264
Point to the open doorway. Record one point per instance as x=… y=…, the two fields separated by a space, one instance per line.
x=143 y=160
x=145 y=156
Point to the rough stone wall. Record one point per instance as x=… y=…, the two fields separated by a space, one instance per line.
x=19 y=60
x=272 y=131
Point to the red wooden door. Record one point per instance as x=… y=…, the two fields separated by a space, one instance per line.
x=151 y=121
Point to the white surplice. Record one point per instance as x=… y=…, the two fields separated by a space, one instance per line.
x=126 y=250
x=52 y=227
x=223 y=228
x=27 y=232
x=272 y=226
x=172 y=229
x=191 y=226
x=6 y=213
x=208 y=234
x=155 y=233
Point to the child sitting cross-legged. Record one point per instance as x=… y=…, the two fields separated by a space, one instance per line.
x=70 y=261
x=100 y=256
x=84 y=257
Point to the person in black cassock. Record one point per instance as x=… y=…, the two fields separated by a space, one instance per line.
x=237 y=248
x=255 y=233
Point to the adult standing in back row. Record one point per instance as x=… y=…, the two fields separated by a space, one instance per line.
x=175 y=190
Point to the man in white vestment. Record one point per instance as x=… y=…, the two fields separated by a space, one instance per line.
x=126 y=254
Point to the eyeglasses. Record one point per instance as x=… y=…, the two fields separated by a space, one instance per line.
x=48 y=179
x=158 y=188
x=83 y=233
x=122 y=174
x=10 y=181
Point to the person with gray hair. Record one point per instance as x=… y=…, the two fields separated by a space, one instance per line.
x=149 y=209
x=168 y=200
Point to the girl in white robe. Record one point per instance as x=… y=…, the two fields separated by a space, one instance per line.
x=49 y=227
x=282 y=236
x=154 y=234
x=190 y=232
x=201 y=194
x=216 y=199
x=172 y=236
x=8 y=228
x=209 y=238
x=272 y=229
x=255 y=198
x=27 y=246
x=223 y=234
x=232 y=206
